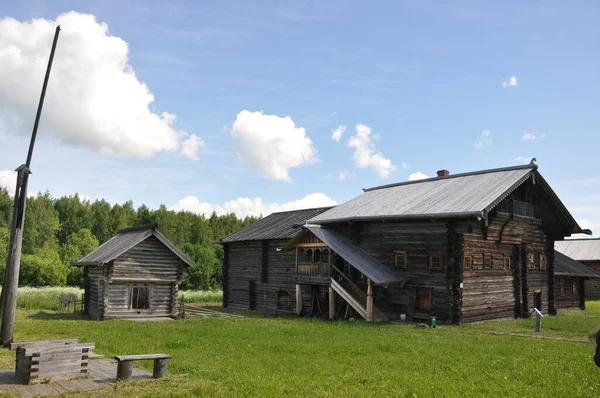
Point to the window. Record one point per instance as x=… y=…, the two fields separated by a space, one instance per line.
x=284 y=300
x=487 y=261
x=400 y=259
x=562 y=287
x=507 y=263
x=325 y=256
x=436 y=261
x=574 y=287
x=531 y=260
x=140 y=299
x=543 y=262
x=317 y=256
x=467 y=263
x=309 y=256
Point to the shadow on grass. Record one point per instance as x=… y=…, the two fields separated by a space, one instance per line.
x=57 y=316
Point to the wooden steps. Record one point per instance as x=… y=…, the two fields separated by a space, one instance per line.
x=356 y=298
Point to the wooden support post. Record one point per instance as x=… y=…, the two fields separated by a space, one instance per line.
x=124 y=370
x=160 y=368
x=331 y=303
x=369 y=300
x=298 y=300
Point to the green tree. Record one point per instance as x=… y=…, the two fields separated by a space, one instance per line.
x=41 y=224
x=4 y=243
x=6 y=208
x=101 y=221
x=78 y=245
x=208 y=273
x=44 y=268
x=73 y=215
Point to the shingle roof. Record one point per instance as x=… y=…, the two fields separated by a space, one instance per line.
x=566 y=266
x=580 y=249
x=275 y=226
x=459 y=195
x=125 y=240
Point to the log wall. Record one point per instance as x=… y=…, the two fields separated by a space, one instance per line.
x=568 y=292
x=592 y=285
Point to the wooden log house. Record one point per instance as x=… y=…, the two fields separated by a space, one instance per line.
x=464 y=247
x=587 y=252
x=570 y=277
x=135 y=274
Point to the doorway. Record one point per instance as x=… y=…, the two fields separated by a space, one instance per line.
x=537 y=300
x=422 y=301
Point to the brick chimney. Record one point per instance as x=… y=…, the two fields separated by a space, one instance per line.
x=443 y=173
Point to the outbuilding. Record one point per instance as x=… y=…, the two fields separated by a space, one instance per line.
x=570 y=278
x=135 y=274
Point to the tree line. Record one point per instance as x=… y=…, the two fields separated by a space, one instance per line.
x=60 y=231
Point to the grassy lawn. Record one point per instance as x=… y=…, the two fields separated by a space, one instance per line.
x=308 y=357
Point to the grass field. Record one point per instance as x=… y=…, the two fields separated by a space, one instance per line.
x=258 y=356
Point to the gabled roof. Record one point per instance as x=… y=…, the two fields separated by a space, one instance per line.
x=453 y=196
x=580 y=249
x=566 y=266
x=282 y=225
x=378 y=273
x=126 y=239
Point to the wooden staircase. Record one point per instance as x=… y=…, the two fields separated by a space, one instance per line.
x=353 y=295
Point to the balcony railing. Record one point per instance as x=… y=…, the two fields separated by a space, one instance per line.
x=316 y=270
x=518 y=209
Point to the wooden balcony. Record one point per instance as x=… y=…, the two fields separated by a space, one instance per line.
x=320 y=270
x=520 y=211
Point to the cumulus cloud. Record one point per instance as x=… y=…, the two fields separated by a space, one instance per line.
x=512 y=81
x=243 y=207
x=337 y=133
x=417 y=176
x=8 y=180
x=366 y=155
x=344 y=175
x=191 y=146
x=94 y=98
x=484 y=141
x=272 y=144
x=532 y=137
x=524 y=159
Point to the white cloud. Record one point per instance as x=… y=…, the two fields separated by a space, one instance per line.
x=404 y=165
x=531 y=137
x=94 y=98
x=243 y=207
x=524 y=159
x=512 y=81
x=366 y=155
x=417 y=176
x=484 y=141
x=272 y=144
x=191 y=146
x=344 y=175
x=8 y=180
x=337 y=133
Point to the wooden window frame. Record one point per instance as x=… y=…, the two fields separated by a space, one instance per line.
x=531 y=260
x=284 y=305
x=400 y=253
x=148 y=289
x=543 y=262
x=431 y=267
x=464 y=263
x=507 y=263
x=562 y=287
x=491 y=258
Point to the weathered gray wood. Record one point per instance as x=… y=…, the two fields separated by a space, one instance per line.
x=32 y=344
x=160 y=368
x=124 y=370
x=124 y=358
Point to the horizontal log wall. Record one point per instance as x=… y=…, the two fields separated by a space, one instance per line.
x=592 y=286
x=149 y=260
x=95 y=292
x=568 y=292
x=119 y=297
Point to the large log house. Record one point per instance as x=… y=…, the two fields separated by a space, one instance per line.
x=464 y=247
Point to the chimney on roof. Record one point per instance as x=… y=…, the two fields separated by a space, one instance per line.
x=443 y=173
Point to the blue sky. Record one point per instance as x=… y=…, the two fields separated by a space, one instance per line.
x=426 y=77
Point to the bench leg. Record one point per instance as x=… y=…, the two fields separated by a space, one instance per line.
x=124 y=369
x=160 y=368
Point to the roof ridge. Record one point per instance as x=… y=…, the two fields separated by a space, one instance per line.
x=308 y=208
x=471 y=173
x=152 y=226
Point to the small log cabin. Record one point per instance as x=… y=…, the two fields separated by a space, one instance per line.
x=569 y=281
x=465 y=247
x=135 y=274
x=587 y=252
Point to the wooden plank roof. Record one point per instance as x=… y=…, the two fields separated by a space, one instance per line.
x=282 y=225
x=126 y=239
x=580 y=249
x=566 y=266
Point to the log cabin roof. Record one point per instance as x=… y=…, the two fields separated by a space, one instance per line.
x=126 y=239
x=282 y=225
x=463 y=195
x=566 y=266
x=580 y=249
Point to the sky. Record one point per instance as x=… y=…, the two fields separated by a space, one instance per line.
x=255 y=107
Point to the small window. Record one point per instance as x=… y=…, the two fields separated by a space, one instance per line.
x=467 y=263
x=309 y=256
x=531 y=260
x=543 y=262
x=140 y=299
x=284 y=300
x=436 y=261
x=325 y=256
x=317 y=256
x=562 y=287
x=507 y=263
x=574 y=287
x=487 y=261
x=400 y=259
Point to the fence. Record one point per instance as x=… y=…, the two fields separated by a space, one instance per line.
x=71 y=302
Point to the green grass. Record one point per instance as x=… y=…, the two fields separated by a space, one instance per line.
x=309 y=357
x=202 y=296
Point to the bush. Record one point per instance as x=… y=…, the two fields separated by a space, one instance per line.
x=44 y=268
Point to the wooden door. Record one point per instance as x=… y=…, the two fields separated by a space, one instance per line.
x=422 y=301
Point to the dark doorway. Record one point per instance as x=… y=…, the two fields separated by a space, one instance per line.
x=422 y=301
x=537 y=300
x=251 y=295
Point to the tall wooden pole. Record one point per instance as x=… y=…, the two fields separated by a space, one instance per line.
x=369 y=301
x=13 y=262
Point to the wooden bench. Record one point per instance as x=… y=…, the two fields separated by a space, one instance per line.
x=53 y=360
x=125 y=365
